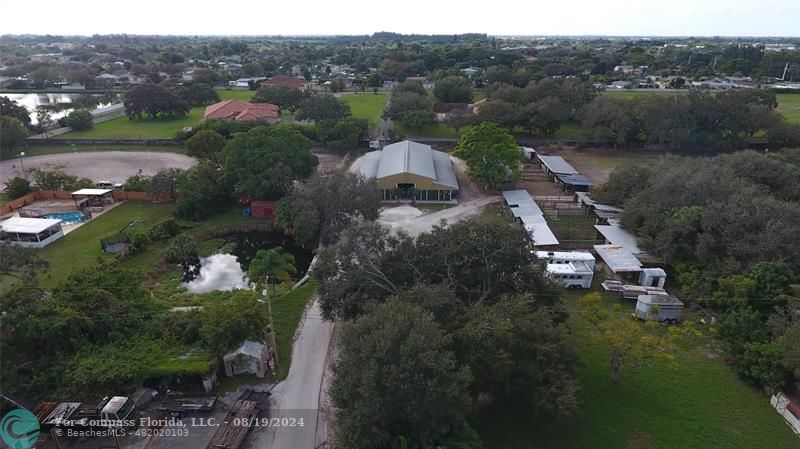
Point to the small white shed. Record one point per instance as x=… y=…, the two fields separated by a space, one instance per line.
x=652 y=277
x=249 y=358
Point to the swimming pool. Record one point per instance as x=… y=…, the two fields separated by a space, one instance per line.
x=68 y=217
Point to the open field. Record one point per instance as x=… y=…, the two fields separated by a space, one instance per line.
x=700 y=405
x=789 y=106
x=366 y=105
x=81 y=247
x=139 y=128
x=244 y=95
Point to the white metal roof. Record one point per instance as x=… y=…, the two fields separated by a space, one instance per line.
x=557 y=164
x=655 y=272
x=20 y=225
x=92 y=192
x=585 y=198
x=618 y=259
x=620 y=237
x=249 y=348
x=114 y=404
x=521 y=204
x=541 y=234
x=410 y=157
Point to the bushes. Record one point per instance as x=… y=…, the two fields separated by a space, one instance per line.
x=79 y=120
x=18 y=187
x=164 y=229
x=182 y=250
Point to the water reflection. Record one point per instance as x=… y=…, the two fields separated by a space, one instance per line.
x=50 y=100
x=217 y=272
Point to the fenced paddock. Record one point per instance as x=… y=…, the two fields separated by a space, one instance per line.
x=569 y=222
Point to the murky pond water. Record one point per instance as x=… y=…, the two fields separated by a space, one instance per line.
x=228 y=269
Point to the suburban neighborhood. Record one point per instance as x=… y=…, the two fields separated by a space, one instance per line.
x=416 y=239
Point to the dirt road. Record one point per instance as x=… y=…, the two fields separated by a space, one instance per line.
x=113 y=166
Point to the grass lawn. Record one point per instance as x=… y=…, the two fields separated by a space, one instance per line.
x=789 y=106
x=141 y=128
x=700 y=405
x=366 y=105
x=81 y=247
x=244 y=95
x=286 y=313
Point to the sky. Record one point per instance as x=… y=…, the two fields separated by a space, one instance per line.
x=494 y=17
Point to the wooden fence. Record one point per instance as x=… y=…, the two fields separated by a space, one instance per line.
x=119 y=195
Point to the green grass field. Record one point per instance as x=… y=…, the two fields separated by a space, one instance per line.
x=700 y=405
x=366 y=105
x=789 y=106
x=141 y=128
x=244 y=95
x=81 y=247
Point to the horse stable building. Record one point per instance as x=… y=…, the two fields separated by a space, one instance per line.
x=411 y=171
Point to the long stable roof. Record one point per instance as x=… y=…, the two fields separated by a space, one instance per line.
x=410 y=157
x=22 y=225
x=557 y=164
x=574 y=180
x=585 y=198
x=620 y=237
x=525 y=208
x=618 y=259
x=91 y=192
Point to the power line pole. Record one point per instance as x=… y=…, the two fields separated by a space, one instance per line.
x=272 y=342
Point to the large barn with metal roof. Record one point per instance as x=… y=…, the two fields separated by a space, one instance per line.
x=411 y=170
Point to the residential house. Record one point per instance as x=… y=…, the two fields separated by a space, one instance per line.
x=287 y=81
x=442 y=110
x=242 y=111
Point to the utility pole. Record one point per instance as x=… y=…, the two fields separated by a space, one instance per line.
x=272 y=342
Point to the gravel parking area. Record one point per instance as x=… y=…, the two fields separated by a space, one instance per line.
x=113 y=166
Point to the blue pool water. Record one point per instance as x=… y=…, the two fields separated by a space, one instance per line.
x=68 y=217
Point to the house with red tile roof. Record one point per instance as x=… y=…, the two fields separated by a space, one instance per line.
x=286 y=81
x=242 y=111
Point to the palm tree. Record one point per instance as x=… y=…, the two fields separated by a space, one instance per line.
x=273 y=262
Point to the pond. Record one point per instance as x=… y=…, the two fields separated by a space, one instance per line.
x=227 y=270
x=58 y=103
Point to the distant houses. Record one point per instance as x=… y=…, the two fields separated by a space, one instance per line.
x=443 y=110
x=287 y=81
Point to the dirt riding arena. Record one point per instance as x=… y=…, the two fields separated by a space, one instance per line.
x=114 y=166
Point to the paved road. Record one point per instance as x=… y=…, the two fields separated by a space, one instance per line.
x=101 y=165
x=298 y=396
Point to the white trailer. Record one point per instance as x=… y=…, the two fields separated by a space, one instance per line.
x=571 y=275
x=666 y=308
x=565 y=257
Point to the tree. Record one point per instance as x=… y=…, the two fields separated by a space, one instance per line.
x=264 y=161
x=44 y=119
x=12 y=135
x=235 y=317
x=342 y=135
x=491 y=154
x=78 y=76
x=453 y=89
x=11 y=108
x=153 y=100
x=282 y=96
x=56 y=179
x=410 y=86
x=203 y=192
x=17 y=187
x=42 y=75
x=166 y=180
x=182 y=250
x=327 y=204
x=196 y=94
x=411 y=109
x=395 y=377
x=632 y=344
x=80 y=119
x=500 y=112
x=137 y=183
x=677 y=83
x=206 y=144
x=546 y=115
x=782 y=134
x=21 y=263
x=460 y=119
x=323 y=107
x=275 y=263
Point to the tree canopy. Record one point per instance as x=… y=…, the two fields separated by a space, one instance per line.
x=263 y=162
x=491 y=153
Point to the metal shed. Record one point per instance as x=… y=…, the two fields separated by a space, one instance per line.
x=557 y=165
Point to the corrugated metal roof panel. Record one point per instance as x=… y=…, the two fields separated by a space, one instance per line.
x=557 y=164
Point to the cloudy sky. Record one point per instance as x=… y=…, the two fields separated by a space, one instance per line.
x=314 y=17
